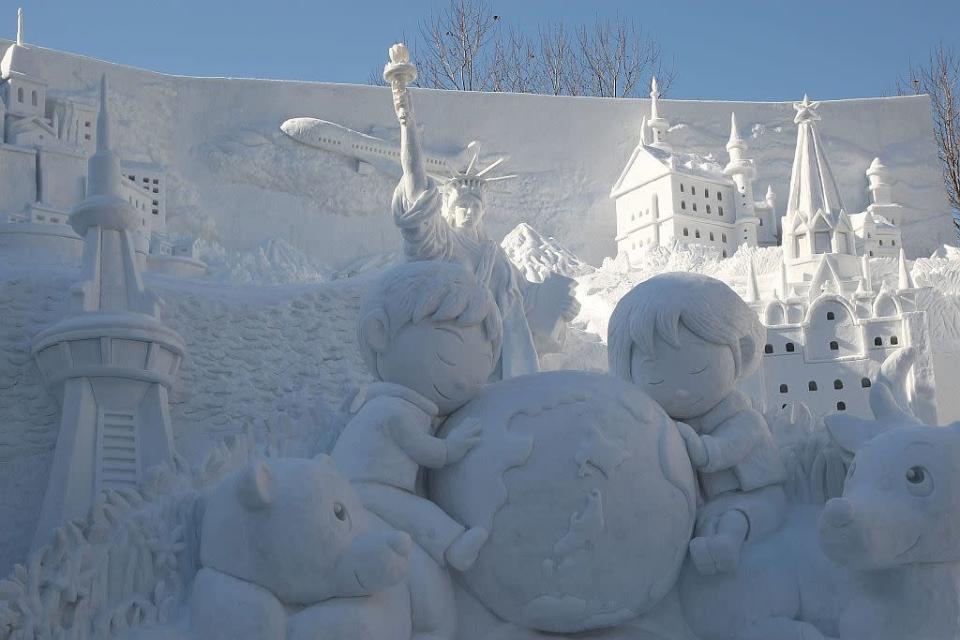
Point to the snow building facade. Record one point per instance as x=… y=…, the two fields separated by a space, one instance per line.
x=665 y=197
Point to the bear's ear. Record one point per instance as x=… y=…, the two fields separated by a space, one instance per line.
x=374 y=330
x=255 y=486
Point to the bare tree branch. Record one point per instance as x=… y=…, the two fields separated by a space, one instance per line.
x=939 y=78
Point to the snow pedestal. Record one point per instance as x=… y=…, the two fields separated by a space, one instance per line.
x=588 y=494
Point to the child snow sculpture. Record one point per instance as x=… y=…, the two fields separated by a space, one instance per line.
x=430 y=332
x=687 y=340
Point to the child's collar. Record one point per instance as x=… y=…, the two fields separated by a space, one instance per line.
x=392 y=390
x=734 y=403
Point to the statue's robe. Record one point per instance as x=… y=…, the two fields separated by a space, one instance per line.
x=428 y=236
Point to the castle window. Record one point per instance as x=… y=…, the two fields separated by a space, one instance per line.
x=87 y=124
x=893 y=243
x=683 y=204
x=878 y=341
x=812 y=386
x=708 y=208
x=686 y=231
x=834 y=346
x=830 y=315
x=719 y=196
x=723 y=237
x=841 y=406
x=155 y=181
x=706 y=193
x=720 y=210
x=789 y=347
x=838 y=384
x=693 y=191
x=696 y=232
x=19 y=94
x=768 y=348
x=871 y=254
x=681 y=187
x=881 y=243
x=711 y=236
x=865 y=383
x=724 y=253
x=783 y=388
x=761 y=222
x=33 y=97
x=894 y=340
x=694 y=206
x=147 y=180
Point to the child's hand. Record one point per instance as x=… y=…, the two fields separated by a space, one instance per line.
x=695 y=447
x=459 y=443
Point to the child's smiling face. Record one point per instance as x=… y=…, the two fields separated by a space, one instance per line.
x=687 y=381
x=442 y=361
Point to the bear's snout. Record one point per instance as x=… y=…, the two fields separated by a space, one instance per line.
x=838 y=512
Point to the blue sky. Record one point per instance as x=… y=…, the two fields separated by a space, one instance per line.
x=738 y=49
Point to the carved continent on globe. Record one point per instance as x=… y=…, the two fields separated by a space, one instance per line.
x=587 y=491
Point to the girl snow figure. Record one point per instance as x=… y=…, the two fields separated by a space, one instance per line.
x=687 y=340
x=430 y=334
x=446 y=223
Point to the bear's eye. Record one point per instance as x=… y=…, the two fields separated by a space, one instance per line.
x=919 y=481
x=340 y=511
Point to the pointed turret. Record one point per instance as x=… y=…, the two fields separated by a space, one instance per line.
x=742 y=172
x=770 y=197
x=112 y=361
x=753 y=291
x=878 y=177
x=658 y=125
x=735 y=140
x=904 y=277
x=20 y=27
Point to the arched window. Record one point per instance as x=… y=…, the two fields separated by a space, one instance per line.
x=878 y=341
x=768 y=348
x=831 y=315
x=708 y=208
x=881 y=243
x=720 y=210
x=841 y=406
x=706 y=193
x=683 y=204
x=834 y=346
x=865 y=383
x=723 y=237
x=724 y=253
x=711 y=236
x=789 y=347
x=719 y=196
x=894 y=340
x=812 y=385
x=686 y=231
x=893 y=243
x=761 y=222
x=33 y=97
x=783 y=388
x=19 y=94
x=838 y=384
x=696 y=232
x=681 y=187
x=693 y=191
x=694 y=206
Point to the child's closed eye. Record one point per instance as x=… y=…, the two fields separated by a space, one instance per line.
x=701 y=370
x=655 y=381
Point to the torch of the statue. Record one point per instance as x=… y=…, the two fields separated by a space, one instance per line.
x=399 y=72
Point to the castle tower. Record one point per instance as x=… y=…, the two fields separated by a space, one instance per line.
x=877 y=176
x=112 y=361
x=657 y=124
x=24 y=90
x=743 y=173
x=815 y=223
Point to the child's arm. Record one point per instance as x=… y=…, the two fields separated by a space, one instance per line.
x=731 y=442
x=430 y=451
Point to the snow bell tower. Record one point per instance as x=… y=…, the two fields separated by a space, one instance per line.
x=111 y=362
x=743 y=173
x=815 y=225
x=657 y=124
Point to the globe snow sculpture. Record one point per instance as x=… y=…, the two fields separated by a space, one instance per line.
x=588 y=494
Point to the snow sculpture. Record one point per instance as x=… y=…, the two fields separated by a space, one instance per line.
x=880 y=562
x=448 y=225
x=588 y=494
x=112 y=361
x=288 y=551
x=687 y=340
x=431 y=334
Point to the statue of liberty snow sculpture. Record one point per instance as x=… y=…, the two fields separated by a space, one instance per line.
x=445 y=222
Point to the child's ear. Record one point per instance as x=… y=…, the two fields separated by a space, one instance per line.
x=748 y=353
x=374 y=330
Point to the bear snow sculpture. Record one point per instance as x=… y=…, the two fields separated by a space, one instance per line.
x=288 y=551
x=587 y=491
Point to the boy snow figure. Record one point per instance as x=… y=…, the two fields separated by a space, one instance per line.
x=687 y=340
x=431 y=334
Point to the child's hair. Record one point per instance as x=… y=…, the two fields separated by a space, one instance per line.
x=431 y=290
x=705 y=306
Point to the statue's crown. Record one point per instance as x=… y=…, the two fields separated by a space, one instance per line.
x=473 y=178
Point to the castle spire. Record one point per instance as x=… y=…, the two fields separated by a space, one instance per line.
x=735 y=139
x=904 y=279
x=812 y=185
x=103 y=176
x=658 y=124
x=753 y=291
x=20 y=27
